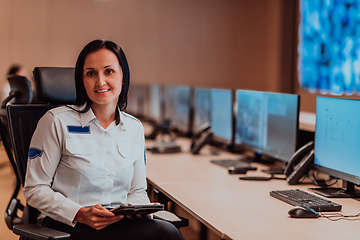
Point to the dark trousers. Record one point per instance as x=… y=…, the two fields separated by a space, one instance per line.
x=125 y=229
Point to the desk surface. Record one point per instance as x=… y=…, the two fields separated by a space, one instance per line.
x=236 y=209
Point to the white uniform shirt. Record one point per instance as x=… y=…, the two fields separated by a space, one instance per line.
x=75 y=162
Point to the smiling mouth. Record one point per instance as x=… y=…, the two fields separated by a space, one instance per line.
x=102 y=91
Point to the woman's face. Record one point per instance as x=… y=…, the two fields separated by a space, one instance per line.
x=102 y=77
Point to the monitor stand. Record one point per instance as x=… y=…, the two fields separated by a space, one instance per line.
x=347 y=191
x=274 y=170
x=256 y=158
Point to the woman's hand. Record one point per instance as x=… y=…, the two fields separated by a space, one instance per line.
x=96 y=217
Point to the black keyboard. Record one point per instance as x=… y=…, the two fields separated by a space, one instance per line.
x=299 y=197
x=233 y=163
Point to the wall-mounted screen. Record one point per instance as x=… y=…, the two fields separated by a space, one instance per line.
x=329 y=46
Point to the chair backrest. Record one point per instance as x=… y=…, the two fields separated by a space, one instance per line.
x=54 y=86
x=20 y=90
x=22 y=123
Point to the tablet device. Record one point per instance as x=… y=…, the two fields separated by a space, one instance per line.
x=132 y=209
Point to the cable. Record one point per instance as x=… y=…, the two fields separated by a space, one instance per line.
x=338 y=216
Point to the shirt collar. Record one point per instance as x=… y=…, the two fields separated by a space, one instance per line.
x=86 y=117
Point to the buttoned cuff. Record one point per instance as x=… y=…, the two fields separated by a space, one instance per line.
x=67 y=212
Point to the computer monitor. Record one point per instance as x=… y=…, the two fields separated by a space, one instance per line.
x=181 y=110
x=337 y=134
x=202 y=107
x=221 y=115
x=267 y=123
x=169 y=102
x=155 y=111
x=143 y=98
x=133 y=101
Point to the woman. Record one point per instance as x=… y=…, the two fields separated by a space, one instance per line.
x=87 y=158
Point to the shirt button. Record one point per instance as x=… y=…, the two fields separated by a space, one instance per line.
x=110 y=175
x=106 y=194
x=108 y=152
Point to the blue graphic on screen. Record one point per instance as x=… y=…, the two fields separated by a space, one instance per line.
x=337 y=135
x=267 y=122
x=221 y=113
x=155 y=102
x=201 y=107
x=329 y=46
x=181 y=108
x=251 y=123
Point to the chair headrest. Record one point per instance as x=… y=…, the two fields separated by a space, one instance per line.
x=20 y=90
x=55 y=85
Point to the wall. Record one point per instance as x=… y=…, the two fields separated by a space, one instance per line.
x=215 y=43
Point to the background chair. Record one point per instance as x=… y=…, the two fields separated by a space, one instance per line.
x=55 y=86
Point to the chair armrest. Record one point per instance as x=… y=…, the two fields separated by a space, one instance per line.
x=172 y=218
x=34 y=231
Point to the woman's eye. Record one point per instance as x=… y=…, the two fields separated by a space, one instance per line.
x=90 y=73
x=109 y=71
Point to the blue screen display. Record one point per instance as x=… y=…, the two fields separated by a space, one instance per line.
x=329 y=46
x=155 y=102
x=201 y=107
x=337 y=135
x=221 y=113
x=181 y=117
x=267 y=122
x=169 y=103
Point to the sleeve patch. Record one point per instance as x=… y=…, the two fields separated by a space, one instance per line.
x=79 y=129
x=34 y=153
x=145 y=156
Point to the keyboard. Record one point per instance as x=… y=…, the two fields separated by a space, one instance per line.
x=233 y=163
x=299 y=197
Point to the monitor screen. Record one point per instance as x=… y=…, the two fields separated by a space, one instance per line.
x=144 y=101
x=181 y=114
x=201 y=107
x=133 y=102
x=337 y=135
x=221 y=115
x=169 y=103
x=267 y=123
x=329 y=46
x=155 y=111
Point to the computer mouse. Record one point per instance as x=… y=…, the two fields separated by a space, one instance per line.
x=237 y=170
x=302 y=212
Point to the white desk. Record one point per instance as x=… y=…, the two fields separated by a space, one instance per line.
x=235 y=209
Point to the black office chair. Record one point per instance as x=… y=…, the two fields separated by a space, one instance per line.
x=20 y=90
x=20 y=93
x=54 y=85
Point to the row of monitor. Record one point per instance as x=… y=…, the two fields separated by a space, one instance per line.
x=263 y=122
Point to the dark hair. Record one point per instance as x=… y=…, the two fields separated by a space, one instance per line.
x=94 y=46
x=14 y=69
